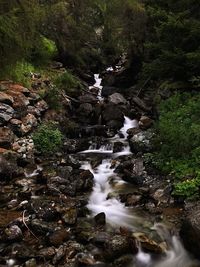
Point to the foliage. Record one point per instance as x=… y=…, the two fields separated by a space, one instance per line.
x=68 y=82
x=47 y=138
x=178 y=141
x=19 y=72
x=172 y=47
x=188 y=188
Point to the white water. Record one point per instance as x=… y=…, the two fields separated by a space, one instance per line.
x=117 y=214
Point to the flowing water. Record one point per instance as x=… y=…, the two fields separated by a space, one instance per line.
x=102 y=200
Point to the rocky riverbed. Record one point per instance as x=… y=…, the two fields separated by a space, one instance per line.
x=97 y=202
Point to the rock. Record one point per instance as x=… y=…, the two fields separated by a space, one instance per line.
x=116 y=246
x=6 y=137
x=133 y=200
x=31 y=263
x=118 y=147
x=148 y=244
x=13 y=233
x=94 y=130
x=100 y=219
x=74 y=145
x=117 y=99
x=40 y=227
x=41 y=107
x=190 y=231
x=125 y=260
x=139 y=102
x=6 y=99
x=85 y=181
x=85 y=110
x=47 y=253
x=145 y=122
x=88 y=98
x=132 y=131
x=141 y=142
x=108 y=90
x=100 y=238
x=6 y=113
x=15 y=126
x=58 y=237
x=112 y=112
x=29 y=123
x=70 y=216
x=20 y=100
x=60 y=253
x=8 y=165
x=114 y=125
x=132 y=171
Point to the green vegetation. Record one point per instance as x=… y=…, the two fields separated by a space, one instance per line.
x=178 y=141
x=47 y=138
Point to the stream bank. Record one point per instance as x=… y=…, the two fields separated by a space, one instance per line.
x=54 y=212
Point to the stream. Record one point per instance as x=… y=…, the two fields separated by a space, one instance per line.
x=102 y=199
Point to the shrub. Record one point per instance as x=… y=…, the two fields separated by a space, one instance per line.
x=68 y=82
x=178 y=141
x=47 y=138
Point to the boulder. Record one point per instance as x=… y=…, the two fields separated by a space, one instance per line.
x=88 y=98
x=85 y=110
x=108 y=90
x=190 y=231
x=8 y=165
x=112 y=114
x=6 y=137
x=145 y=122
x=140 y=103
x=6 y=99
x=74 y=145
x=117 y=99
x=141 y=142
x=6 y=113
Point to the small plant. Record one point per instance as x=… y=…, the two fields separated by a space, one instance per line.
x=68 y=82
x=188 y=188
x=47 y=138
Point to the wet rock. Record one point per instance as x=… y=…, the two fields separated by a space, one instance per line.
x=23 y=252
x=74 y=145
x=41 y=227
x=112 y=112
x=6 y=99
x=6 y=113
x=100 y=238
x=85 y=260
x=114 y=124
x=132 y=131
x=100 y=219
x=70 y=216
x=190 y=230
x=47 y=253
x=57 y=185
x=58 y=237
x=116 y=246
x=133 y=200
x=60 y=253
x=145 y=122
x=147 y=244
x=125 y=260
x=108 y=90
x=31 y=263
x=96 y=130
x=117 y=99
x=132 y=171
x=85 y=181
x=13 y=233
x=118 y=147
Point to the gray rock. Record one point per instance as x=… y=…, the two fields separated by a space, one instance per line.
x=117 y=99
x=6 y=113
x=13 y=233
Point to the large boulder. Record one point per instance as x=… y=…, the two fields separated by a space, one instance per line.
x=142 y=142
x=6 y=137
x=117 y=99
x=108 y=90
x=112 y=113
x=88 y=98
x=190 y=231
